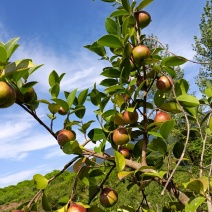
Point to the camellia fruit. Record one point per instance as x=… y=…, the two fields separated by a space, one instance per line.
x=7 y=95
x=163 y=84
x=130 y=117
x=62 y=112
x=65 y=136
x=108 y=197
x=76 y=208
x=125 y=152
x=121 y=136
x=161 y=117
x=30 y=95
x=140 y=53
x=143 y=18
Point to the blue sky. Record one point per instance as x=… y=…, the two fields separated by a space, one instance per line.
x=54 y=33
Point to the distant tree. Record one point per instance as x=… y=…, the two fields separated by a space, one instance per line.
x=203 y=46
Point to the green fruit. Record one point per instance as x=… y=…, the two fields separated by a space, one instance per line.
x=7 y=95
x=163 y=84
x=161 y=117
x=76 y=208
x=108 y=197
x=121 y=136
x=65 y=136
x=143 y=18
x=140 y=53
x=30 y=95
x=130 y=117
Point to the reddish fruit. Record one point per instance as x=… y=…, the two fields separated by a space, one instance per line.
x=65 y=136
x=108 y=197
x=76 y=208
x=130 y=117
x=161 y=117
x=143 y=18
x=62 y=112
x=120 y=136
x=140 y=53
x=125 y=152
x=7 y=95
x=163 y=84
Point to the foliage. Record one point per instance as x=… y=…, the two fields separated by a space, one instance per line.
x=157 y=150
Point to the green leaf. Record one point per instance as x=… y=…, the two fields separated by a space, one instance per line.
x=96 y=134
x=3 y=54
x=19 y=65
x=45 y=203
x=166 y=128
x=63 y=209
x=126 y=5
x=174 y=61
x=111 y=26
x=188 y=100
x=113 y=88
x=11 y=46
x=96 y=48
x=53 y=78
x=170 y=71
x=80 y=111
x=153 y=174
x=96 y=173
x=195 y=185
x=123 y=174
x=108 y=82
x=72 y=147
x=111 y=72
x=178 y=149
x=181 y=87
x=159 y=145
x=120 y=160
x=156 y=134
x=159 y=98
x=40 y=181
x=208 y=91
x=95 y=97
x=143 y=4
x=55 y=90
x=62 y=103
x=82 y=97
x=194 y=204
x=110 y=41
x=119 y=13
x=87 y=125
x=171 y=107
x=71 y=97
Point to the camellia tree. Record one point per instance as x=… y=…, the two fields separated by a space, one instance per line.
x=139 y=127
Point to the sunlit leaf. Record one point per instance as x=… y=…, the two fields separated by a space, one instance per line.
x=166 y=128
x=120 y=160
x=110 y=41
x=188 y=100
x=96 y=134
x=143 y=4
x=40 y=181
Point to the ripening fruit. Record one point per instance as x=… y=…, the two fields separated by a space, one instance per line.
x=121 y=136
x=130 y=117
x=65 y=136
x=125 y=152
x=30 y=95
x=7 y=95
x=140 y=53
x=143 y=18
x=108 y=197
x=161 y=117
x=62 y=112
x=163 y=84
x=76 y=208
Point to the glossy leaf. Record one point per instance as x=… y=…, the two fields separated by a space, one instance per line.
x=40 y=181
x=120 y=160
x=95 y=97
x=208 y=91
x=63 y=209
x=108 y=82
x=111 y=26
x=166 y=128
x=72 y=147
x=111 y=72
x=171 y=107
x=55 y=90
x=194 y=204
x=113 y=88
x=71 y=97
x=181 y=87
x=120 y=12
x=195 y=185
x=143 y=4
x=80 y=111
x=96 y=134
x=126 y=5
x=178 y=149
x=123 y=174
x=96 y=48
x=188 y=100
x=53 y=78
x=62 y=103
x=110 y=41
x=174 y=61
x=158 y=144
x=11 y=46
x=3 y=54
x=170 y=71
x=159 y=98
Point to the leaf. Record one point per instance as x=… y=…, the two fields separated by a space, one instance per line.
x=155 y=174
x=62 y=103
x=95 y=97
x=96 y=173
x=120 y=160
x=80 y=111
x=87 y=125
x=159 y=98
x=113 y=88
x=126 y=5
x=82 y=97
x=194 y=204
x=45 y=203
x=143 y=4
x=123 y=174
x=156 y=134
x=108 y=82
x=188 y=100
x=55 y=90
x=159 y=145
x=110 y=41
x=3 y=54
x=111 y=26
x=72 y=147
x=53 y=78
x=111 y=72
x=208 y=91
x=174 y=61
x=171 y=107
x=178 y=149
x=40 y=181
x=71 y=97
x=11 y=46
x=195 y=185
x=166 y=128
x=96 y=134
x=120 y=12
x=19 y=65
x=181 y=87
x=96 y=48
x=63 y=209
x=170 y=71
